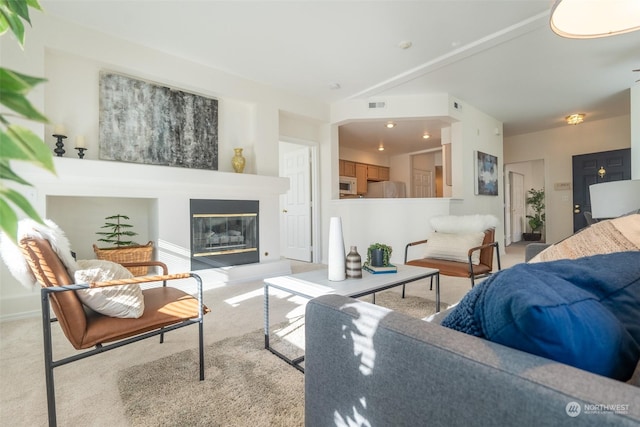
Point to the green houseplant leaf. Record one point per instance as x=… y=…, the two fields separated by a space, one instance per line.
x=18 y=143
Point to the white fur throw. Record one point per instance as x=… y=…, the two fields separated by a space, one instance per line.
x=125 y=301
x=16 y=262
x=463 y=223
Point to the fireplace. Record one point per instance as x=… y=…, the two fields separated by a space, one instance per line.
x=224 y=233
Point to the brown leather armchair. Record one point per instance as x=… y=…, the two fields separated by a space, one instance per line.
x=462 y=269
x=166 y=308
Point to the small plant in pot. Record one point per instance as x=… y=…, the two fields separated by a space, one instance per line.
x=535 y=200
x=378 y=255
x=124 y=249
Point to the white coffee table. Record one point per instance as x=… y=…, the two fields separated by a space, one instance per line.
x=314 y=283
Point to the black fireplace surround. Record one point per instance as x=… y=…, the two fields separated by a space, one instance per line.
x=224 y=233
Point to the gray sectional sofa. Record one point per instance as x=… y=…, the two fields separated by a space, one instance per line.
x=369 y=366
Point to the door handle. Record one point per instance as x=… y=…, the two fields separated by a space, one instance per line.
x=284 y=211
x=576 y=209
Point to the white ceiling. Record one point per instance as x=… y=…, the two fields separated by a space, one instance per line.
x=499 y=56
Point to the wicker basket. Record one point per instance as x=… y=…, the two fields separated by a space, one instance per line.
x=136 y=253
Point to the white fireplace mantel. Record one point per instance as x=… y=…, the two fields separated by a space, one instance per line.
x=168 y=191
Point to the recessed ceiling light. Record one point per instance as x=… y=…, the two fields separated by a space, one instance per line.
x=575 y=119
x=390 y=125
x=426 y=136
x=405 y=44
x=381 y=147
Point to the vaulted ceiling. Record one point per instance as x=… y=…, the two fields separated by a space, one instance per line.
x=499 y=56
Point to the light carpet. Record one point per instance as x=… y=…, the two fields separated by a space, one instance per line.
x=245 y=385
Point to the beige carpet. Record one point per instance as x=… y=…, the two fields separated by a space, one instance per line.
x=245 y=385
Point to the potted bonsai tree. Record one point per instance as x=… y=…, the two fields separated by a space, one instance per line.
x=535 y=200
x=378 y=255
x=123 y=249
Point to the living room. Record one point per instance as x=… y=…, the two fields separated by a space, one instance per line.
x=257 y=117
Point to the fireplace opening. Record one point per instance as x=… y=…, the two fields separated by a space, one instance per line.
x=224 y=233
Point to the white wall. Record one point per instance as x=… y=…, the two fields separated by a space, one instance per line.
x=71 y=56
x=557 y=147
x=397 y=222
x=252 y=116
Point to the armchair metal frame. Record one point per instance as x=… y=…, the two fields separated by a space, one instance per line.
x=54 y=287
x=461 y=269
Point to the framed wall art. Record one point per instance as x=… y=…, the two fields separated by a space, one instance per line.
x=148 y=123
x=486 y=174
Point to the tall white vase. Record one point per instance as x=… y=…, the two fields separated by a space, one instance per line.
x=337 y=256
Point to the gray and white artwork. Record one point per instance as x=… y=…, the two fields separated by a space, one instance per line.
x=147 y=123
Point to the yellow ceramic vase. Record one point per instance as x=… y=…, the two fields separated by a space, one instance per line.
x=238 y=161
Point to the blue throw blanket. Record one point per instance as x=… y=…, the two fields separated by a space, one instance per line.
x=583 y=312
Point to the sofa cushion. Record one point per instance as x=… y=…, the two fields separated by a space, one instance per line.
x=454 y=246
x=615 y=235
x=580 y=312
x=126 y=301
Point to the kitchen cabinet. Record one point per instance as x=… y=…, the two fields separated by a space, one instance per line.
x=372 y=173
x=383 y=173
x=361 y=177
x=377 y=173
x=347 y=168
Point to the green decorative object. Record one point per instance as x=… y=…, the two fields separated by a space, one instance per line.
x=119 y=231
x=536 y=201
x=378 y=255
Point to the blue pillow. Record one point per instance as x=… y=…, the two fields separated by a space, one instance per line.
x=580 y=312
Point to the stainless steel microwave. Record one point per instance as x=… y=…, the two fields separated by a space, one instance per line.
x=348 y=185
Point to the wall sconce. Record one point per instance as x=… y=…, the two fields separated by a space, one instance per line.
x=602 y=172
x=59 y=134
x=575 y=119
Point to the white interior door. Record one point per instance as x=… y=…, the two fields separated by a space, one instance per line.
x=517 y=206
x=422 y=183
x=296 y=206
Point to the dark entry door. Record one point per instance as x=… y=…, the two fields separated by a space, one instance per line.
x=594 y=168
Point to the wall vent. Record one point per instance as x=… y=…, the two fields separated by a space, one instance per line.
x=379 y=104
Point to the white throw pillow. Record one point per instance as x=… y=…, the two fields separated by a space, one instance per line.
x=463 y=223
x=124 y=301
x=454 y=246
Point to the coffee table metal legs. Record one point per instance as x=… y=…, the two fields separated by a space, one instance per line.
x=293 y=362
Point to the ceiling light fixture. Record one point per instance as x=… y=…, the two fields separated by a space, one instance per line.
x=390 y=125
x=581 y=19
x=381 y=147
x=575 y=119
x=426 y=136
x=405 y=44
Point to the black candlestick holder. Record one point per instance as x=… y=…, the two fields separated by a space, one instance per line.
x=59 y=145
x=81 y=151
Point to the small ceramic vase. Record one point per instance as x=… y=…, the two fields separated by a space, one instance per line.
x=238 y=160
x=354 y=263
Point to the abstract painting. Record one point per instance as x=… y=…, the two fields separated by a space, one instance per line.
x=144 y=122
x=486 y=181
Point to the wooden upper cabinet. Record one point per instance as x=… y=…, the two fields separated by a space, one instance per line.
x=373 y=173
x=383 y=173
x=347 y=168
